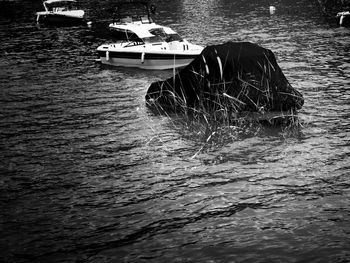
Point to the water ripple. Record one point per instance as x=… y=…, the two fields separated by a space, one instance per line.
x=89 y=174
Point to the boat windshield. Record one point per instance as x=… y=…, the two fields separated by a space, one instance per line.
x=173 y=37
x=155 y=39
x=163 y=36
x=131 y=36
x=158 y=32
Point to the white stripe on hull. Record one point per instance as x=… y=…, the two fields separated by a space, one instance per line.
x=155 y=64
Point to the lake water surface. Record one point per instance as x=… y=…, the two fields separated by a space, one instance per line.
x=89 y=174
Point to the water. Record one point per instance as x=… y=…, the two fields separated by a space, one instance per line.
x=89 y=174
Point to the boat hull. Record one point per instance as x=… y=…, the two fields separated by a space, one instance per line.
x=57 y=19
x=149 y=61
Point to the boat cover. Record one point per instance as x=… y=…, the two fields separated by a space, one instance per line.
x=239 y=76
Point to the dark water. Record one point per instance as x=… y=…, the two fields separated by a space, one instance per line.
x=89 y=174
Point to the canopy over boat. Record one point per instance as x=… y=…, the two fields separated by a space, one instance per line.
x=65 y=4
x=131 y=11
x=150 y=30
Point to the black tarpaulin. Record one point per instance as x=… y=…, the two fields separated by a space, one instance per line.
x=238 y=76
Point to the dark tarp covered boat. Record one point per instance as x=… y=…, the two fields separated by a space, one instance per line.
x=234 y=77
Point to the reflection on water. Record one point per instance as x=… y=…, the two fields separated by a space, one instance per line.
x=90 y=174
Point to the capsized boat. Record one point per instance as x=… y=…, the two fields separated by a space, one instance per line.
x=61 y=12
x=141 y=43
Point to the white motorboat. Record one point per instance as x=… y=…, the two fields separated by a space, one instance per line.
x=61 y=12
x=146 y=48
x=144 y=44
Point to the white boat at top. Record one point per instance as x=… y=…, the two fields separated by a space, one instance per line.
x=61 y=12
x=343 y=19
x=144 y=44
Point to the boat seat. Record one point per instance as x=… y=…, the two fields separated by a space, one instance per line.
x=145 y=20
x=59 y=9
x=127 y=19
